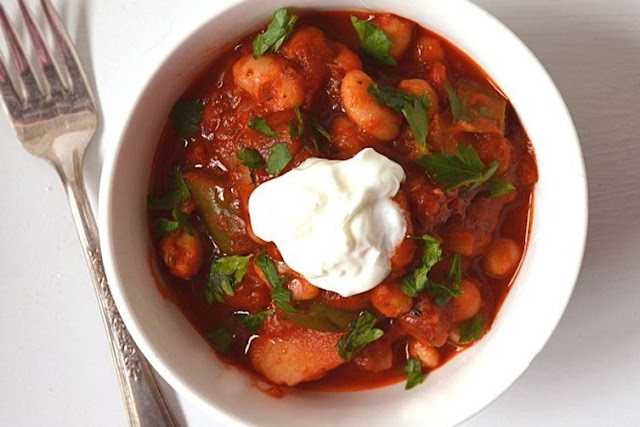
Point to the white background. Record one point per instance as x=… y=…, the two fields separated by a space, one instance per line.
x=55 y=368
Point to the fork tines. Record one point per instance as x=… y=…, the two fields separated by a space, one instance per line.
x=29 y=91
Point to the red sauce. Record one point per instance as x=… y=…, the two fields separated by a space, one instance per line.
x=223 y=132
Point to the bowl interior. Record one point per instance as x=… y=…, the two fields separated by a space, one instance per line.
x=450 y=394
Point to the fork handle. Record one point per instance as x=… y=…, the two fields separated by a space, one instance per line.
x=145 y=404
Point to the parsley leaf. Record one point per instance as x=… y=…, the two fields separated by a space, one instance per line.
x=413 y=369
x=373 y=41
x=498 y=186
x=472 y=329
x=251 y=158
x=278 y=159
x=414 y=282
x=260 y=124
x=362 y=332
x=178 y=193
x=455 y=171
x=183 y=220
x=416 y=113
x=164 y=226
x=442 y=294
x=389 y=96
x=280 y=28
x=296 y=129
x=252 y=321
x=281 y=297
x=414 y=108
x=455 y=272
x=225 y=272
x=318 y=128
x=457 y=107
x=186 y=116
x=221 y=339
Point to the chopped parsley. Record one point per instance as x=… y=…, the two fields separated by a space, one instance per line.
x=177 y=194
x=296 y=127
x=415 y=282
x=186 y=117
x=472 y=330
x=457 y=107
x=251 y=158
x=279 y=29
x=260 y=124
x=497 y=186
x=182 y=219
x=415 y=376
x=281 y=297
x=458 y=170
x=225 y=272
x=316 y=127
x=252 y=321
x=221 y=339
x=373 y=41
x=278 y=159
x=361 y=333
x=414 y=108
x=442 y=294
x=164 y=226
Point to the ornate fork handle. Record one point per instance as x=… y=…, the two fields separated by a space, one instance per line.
x=145 y=404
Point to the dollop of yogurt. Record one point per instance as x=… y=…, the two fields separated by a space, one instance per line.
x=334 y=221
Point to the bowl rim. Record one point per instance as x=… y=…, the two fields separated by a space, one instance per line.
x=106 y=200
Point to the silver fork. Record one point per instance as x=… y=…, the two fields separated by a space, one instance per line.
x=57 y=123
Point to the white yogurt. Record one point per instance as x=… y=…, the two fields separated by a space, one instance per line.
x=333 y=220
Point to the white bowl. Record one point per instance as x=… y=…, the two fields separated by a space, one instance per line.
x=452 y=393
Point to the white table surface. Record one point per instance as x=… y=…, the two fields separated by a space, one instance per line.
x=55 y=367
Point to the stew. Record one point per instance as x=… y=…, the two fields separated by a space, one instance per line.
x=328 y=85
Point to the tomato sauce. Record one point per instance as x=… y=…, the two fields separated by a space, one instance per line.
x=455 y=218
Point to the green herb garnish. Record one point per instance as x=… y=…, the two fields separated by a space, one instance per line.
x=183 y=220
x=362 y=332
x=164 y=226
x=414 y=108
x=472 y=330
x=221 y=339
x=281 y=297
x=459 y=170
x=252 y=321
x=278 y=159
x=413 y=369
x=373 y=41
x=279 y=29
x=415 y=282
x=186 y=117
x=251 y=158
x=224 y=273
x=498 y=186
x=457 y=107
x=318 y=128
x=442 y=294
x=296 y=128
x=260 y=124
x=177 y=194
